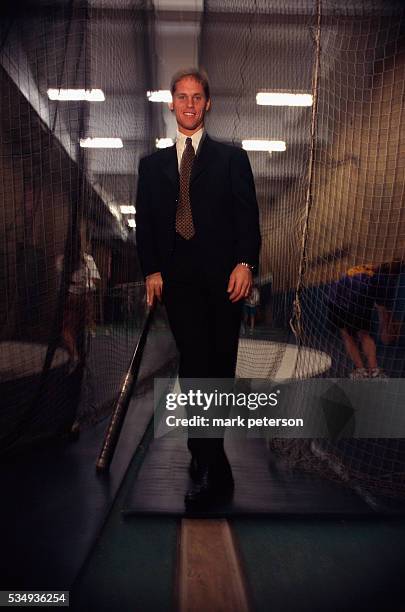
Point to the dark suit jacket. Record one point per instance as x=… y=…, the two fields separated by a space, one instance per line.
x=223 y=202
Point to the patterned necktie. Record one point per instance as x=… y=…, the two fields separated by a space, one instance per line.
x=184 y=218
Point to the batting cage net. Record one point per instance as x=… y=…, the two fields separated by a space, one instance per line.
x=314 y=91
x=328 y=166
x=72 y=298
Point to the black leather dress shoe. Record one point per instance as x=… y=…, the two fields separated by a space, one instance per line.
x=208 y=488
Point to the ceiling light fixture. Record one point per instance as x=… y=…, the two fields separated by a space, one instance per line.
x=263 y=145
x=101 y=143
x=127 y=210
x=276 y=98
x=163 y=95
x=163 y=143
x=91 y=95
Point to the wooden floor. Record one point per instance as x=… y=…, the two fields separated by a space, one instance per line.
x=210 y=575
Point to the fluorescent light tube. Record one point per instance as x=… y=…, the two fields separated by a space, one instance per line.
x=101 y=143
x=263 y=145
x=275 y=98
x=91 y=95
x=163 y=95
x=163 y=143
x=127 y=210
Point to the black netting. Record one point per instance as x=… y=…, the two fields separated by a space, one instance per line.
x=331 y=203
x=72 y=303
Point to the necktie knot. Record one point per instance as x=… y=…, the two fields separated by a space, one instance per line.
x=189 y=149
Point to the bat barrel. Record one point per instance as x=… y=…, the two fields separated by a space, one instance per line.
x=121 y=405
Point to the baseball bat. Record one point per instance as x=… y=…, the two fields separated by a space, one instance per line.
x=121 y=405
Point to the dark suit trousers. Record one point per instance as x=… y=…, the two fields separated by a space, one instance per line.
x=205 y=326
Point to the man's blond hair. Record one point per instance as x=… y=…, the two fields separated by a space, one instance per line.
x=199 y=75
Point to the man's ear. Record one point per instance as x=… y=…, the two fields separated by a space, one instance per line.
x=208 y=105
x=170 y=105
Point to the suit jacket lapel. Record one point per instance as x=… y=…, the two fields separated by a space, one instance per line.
x=170 y=165
x=203 y=159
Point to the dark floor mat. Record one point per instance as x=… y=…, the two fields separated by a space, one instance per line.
x=58 y=500
x=259 y=490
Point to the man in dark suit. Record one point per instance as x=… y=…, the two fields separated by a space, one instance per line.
x=198 y=239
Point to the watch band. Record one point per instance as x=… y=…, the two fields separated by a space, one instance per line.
x=247 y=265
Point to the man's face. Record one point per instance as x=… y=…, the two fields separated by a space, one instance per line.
x=189 y=105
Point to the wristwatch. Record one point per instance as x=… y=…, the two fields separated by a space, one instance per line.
x=247 y=265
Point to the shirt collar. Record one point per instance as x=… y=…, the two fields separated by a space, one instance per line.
x=195 y=138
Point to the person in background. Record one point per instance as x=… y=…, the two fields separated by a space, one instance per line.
x=250 y=308
x=79 y=306
x=264 y=284
x=351 y=303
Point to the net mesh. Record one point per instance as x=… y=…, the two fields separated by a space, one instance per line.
x=72 y=299
x=331 y=203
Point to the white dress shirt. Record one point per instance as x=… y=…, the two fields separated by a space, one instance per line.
x=181 y=143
